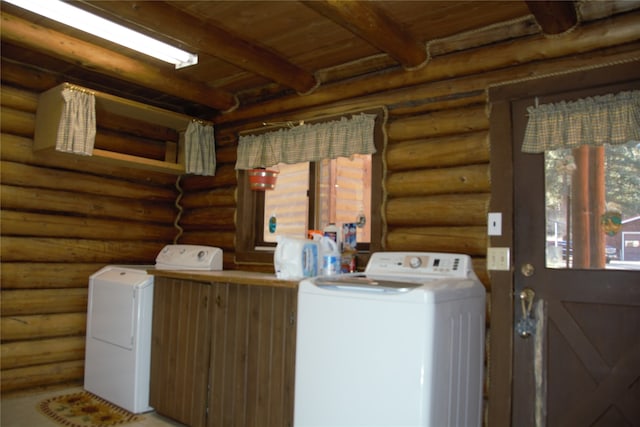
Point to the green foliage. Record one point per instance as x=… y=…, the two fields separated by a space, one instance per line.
x=622 y=178
x=622 y=181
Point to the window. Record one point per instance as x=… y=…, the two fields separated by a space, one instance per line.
x=591 y=178
x=592 y=207
x=310 y=195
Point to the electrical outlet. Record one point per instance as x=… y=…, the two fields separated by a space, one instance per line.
x=498 y=259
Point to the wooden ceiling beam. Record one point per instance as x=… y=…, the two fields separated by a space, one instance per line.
x=554 y=17
x=209 y=39
x=366 y=20
x=19 y=74
x=517 y=59
x=40 y=39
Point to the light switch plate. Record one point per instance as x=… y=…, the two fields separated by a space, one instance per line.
x=498 y=259
x=494 y=224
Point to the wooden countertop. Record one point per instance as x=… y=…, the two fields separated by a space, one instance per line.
x=227 y=276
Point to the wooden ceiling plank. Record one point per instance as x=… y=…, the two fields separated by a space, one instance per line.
x=209 y=39
x=554 y=17
x=588 y=38
x=56 y=44
x=366 y=20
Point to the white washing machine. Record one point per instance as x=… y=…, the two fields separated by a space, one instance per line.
x=119 y=317
x=400 y=345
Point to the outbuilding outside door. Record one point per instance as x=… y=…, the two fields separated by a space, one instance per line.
x=576 y=337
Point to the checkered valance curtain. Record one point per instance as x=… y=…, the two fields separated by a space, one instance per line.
x=608 y=119
x=77 y=127
x=200 y=149
x=308 y=142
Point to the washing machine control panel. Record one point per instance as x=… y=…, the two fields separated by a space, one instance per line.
x=419 y=264
x=189 y=257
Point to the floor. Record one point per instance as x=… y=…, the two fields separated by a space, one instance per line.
x=20 y=411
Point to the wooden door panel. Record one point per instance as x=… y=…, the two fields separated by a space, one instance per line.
x=593 y=377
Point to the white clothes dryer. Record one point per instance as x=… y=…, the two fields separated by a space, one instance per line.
x=118 y=347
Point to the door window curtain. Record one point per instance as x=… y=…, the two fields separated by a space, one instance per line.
x=200 y=149
x=308 y=142
x=77 y=128
x=607 y=119
x=580 y=131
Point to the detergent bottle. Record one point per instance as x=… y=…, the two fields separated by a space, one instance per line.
x=330 y=256
x=295 y=258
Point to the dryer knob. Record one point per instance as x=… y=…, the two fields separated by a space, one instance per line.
x=415 y=262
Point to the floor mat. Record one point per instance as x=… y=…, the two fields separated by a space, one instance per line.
x=84 y=409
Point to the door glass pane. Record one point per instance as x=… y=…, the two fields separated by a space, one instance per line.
x=592 y=197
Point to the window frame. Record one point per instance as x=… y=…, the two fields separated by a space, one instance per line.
x=250 y=206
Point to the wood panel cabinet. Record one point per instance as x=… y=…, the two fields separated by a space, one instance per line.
x=180 y=349
x=232 y=344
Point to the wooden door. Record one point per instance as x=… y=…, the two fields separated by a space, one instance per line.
x=580 y=365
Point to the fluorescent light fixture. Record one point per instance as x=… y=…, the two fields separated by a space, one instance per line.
x=93 y=24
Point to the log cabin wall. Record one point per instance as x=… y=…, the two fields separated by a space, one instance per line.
x=208 y=206
x=59 y=216
x=63 y=218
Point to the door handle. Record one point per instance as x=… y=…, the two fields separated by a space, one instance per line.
x=526 y=326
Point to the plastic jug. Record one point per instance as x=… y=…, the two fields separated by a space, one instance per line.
x=330 y=256
x=295 y=258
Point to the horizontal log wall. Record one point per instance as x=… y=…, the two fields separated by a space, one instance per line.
x=438 y=205
x=63 y=218
x=209 y=209
x=438 y=145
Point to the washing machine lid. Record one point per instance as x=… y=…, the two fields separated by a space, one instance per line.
x=362 y=282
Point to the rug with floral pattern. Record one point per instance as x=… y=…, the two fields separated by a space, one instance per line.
x=84 y=409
